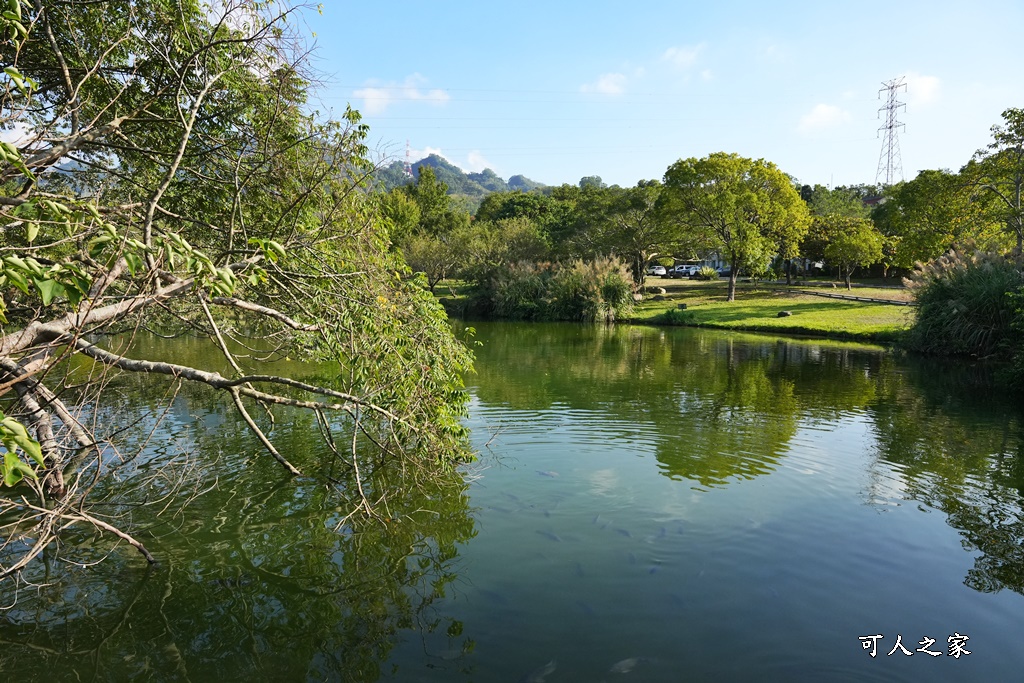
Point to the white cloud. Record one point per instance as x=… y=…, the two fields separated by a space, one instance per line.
x=420 y=154
x=706 y=75
x=823 y=116
x=607 y=84
x=922 y=90
x=477 y=162
x=682 y=57
x=377 y=98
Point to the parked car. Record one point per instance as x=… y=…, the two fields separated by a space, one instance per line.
x=656 y=270
x=682 y=271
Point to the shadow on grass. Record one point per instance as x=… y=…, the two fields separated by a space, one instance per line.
x=738 y=310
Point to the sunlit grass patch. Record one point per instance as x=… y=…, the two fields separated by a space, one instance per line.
x=758 y=308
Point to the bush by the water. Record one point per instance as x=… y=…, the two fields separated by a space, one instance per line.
x=969 y=303
x=598 y=290
x=518 y=291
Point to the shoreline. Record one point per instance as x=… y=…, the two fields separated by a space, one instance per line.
x=867 y=314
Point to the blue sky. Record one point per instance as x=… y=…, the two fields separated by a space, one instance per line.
x=557 y=90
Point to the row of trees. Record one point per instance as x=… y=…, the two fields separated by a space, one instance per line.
x=981 y=203
x=746 y=212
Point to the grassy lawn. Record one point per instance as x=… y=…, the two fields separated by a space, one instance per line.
x=757 y=307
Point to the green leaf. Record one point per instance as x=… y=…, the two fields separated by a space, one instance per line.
x=98 y=244
x=18 y=280
x=74 y=294
x=81 y=284
x=135 y=263
x=15 y=434
x=15 y=470
x=31 y=447
x=277 y=248
x=31 y=231
x=48 y=289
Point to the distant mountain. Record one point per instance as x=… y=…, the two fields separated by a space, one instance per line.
x=471 y=188
x=489 y=180
x=459 y=182
x=524 y=184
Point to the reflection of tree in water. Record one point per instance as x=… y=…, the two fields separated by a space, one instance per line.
x=723 y=406
x=958 y=444
x=726 y=407
x=265 y=581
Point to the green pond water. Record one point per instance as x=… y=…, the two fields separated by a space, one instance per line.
x=650 y=504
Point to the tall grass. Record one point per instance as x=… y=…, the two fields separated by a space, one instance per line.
x=519 y=291
x=594 y=291
x=966 y=304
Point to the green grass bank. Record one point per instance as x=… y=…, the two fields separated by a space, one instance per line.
x=757 y=307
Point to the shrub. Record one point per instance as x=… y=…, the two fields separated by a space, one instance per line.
x=617 y=287
x=573 y=293
x=966 y=304
x=707 y=273
x=598 y=290
x=518 y=292
x=676 y=316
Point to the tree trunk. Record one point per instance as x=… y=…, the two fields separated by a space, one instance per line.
x=789 y=272
x=639 y=271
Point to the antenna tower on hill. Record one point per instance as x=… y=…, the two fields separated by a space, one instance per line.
x=890 y=165
x=408 y=159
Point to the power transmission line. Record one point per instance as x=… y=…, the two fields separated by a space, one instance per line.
x=889 y=162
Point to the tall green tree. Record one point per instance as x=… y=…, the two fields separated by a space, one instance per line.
x=840 y=201
x=743 y=208
x=631 y=223
x=925 y=217
x=438 y=213
x=518 y=204
x=168 y=176
x=402 y=212
x=998 y=170
x=853 y=242
x=491 y=245
x=636 y=231
x=830 y=209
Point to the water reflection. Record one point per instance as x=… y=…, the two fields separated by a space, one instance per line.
x=716 y=408
x=958 y=444
x=261 y=577
x=602 y=549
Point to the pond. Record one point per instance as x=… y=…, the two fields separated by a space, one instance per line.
x=655 y=504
